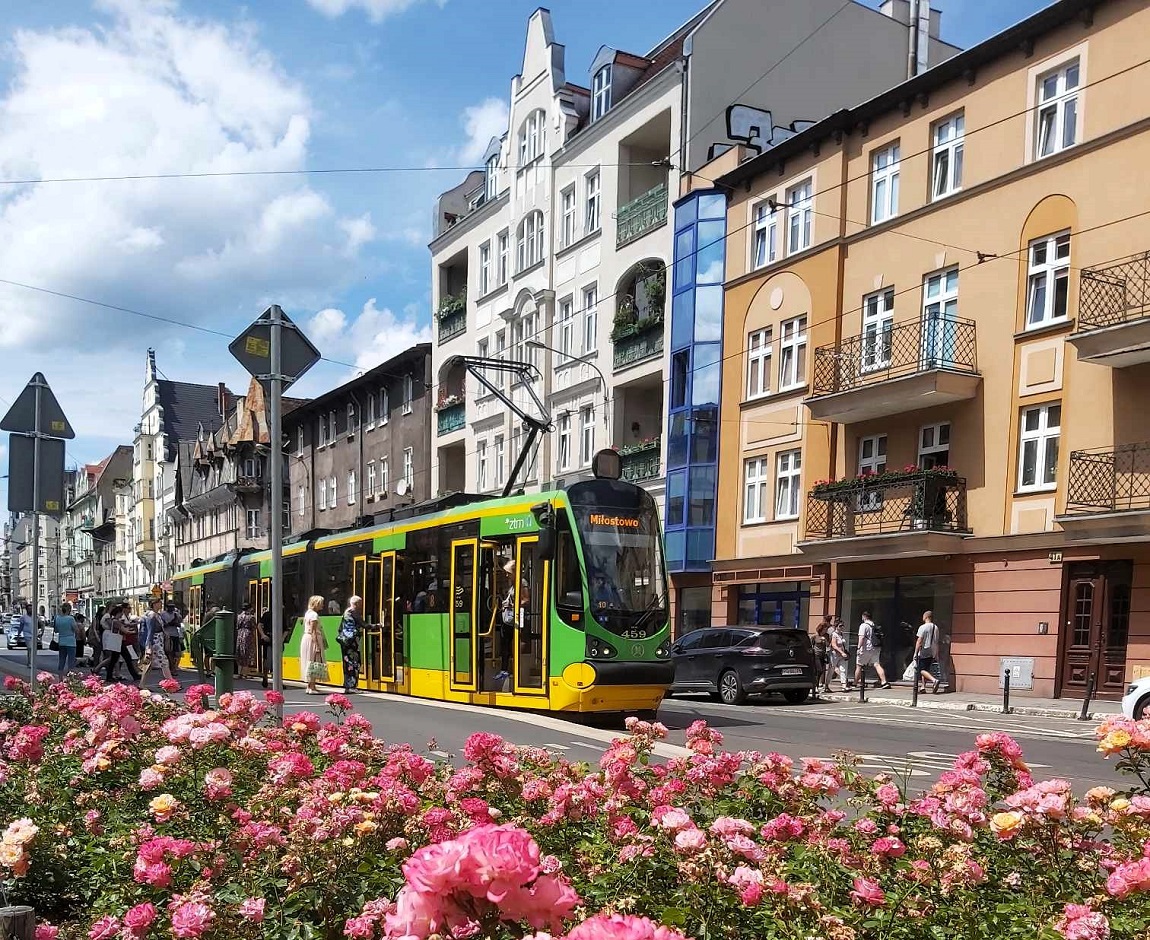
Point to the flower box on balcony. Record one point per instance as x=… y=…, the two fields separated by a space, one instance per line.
x=448 y=401
x=833 y=489
x=651 y=443
x=452 y=304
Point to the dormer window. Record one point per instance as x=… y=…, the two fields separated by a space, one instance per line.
x=601 y=93
x=532 y=137
x=490 y=181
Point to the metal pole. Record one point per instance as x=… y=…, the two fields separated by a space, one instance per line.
x=1085 y=713
x=276 y=503
x=33 y=642
x=1006 y=692
x=914 y=686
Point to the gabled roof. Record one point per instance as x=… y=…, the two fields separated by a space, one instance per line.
x=186 y=407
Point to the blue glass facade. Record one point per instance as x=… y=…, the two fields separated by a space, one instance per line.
x=696 y=374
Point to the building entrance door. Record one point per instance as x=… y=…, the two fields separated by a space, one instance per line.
x=1096 y=625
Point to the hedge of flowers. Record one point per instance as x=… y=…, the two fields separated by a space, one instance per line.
x=127 y=815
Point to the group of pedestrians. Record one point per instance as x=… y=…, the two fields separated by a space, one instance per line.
x=832 y=653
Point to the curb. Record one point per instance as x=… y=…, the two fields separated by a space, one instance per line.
x=1032 y=711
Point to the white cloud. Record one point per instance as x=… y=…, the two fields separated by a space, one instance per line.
x=175 y=95
x=481 y=122
x=376 y=10
x=371 y=338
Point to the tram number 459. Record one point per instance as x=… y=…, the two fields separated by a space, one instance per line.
x=634 y=634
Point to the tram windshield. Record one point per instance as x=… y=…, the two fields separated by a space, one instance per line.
x=622 y=548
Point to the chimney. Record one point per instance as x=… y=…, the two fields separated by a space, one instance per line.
x=922 y=25
x=222 y=399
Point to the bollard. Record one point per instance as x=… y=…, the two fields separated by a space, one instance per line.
x=225 y=656
x=1006 y=692
x=1084 y=715
x=862 y=688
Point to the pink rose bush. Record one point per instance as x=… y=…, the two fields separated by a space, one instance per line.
x=189 y=818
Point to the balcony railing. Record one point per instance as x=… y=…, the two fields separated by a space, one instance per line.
x=895 y=351
x=641 y=461
x=452 y=418
x=452 y=324
x=248 y=484
x=644 y=343
x=916 y=502
x=1111 y=479
x=641 y=215
x=1117 y=293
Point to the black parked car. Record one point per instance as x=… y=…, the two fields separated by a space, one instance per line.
x=733 y=662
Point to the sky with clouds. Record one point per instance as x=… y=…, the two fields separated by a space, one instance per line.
x=122 y=88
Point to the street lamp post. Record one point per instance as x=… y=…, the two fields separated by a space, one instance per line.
x=535 y=344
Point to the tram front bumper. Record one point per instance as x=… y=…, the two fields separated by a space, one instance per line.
x=616 y=686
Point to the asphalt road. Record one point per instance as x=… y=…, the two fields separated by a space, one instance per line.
x=917 y=745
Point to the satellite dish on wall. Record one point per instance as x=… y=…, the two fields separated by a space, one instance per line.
x=401 y=488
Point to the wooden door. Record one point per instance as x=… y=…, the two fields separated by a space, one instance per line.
x=1097 y=626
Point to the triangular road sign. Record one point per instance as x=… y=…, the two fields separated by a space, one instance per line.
x=21 y=417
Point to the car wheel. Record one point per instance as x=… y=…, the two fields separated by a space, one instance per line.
x=1142 y=708
x=731 y=689
x=796 y=696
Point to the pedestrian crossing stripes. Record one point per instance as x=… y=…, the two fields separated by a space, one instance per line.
x=917 y=763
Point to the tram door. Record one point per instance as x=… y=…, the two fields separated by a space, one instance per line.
x=260 y=597
x=366 y=582
x=195 y=604
x=463 y=614
x=386 y=666
x=531 y=593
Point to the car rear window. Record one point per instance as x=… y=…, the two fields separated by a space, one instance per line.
x=780 y=639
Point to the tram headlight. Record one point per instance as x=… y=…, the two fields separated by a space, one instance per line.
x=597 y=649
x=664 y=650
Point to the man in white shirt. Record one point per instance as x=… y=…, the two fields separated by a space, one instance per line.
x=868 y=651
x=926 y=652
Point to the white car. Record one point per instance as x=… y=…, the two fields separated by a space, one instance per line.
x=1136 y=701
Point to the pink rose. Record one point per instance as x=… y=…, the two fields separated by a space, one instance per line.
x=139 y=918
x=690 y=840
x=274 y=698
x=105 y=928
x=622 y=927
x=191 y=919
x=47 y=932
x=1079 y=922
x=253 y=909
x=867 y=892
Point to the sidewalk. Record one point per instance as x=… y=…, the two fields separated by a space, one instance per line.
x=900 y=696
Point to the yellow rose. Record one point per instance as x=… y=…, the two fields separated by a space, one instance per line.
x=365 y=828
x=1115 y=741
x=10 y=854
x=1006 y=824
x=163 y=806
x=1120 y=805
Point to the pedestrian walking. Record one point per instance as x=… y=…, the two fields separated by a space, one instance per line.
x=264 y=628
x=152 y=638
x=173 y=625
x=65 y=639
x=822 y=648
x=246 y=641
x=116 y=646
x=348 y=638
x=926 y=653
x=95 y=630
x=839 y=653
x=313 y=646
x=869 y=650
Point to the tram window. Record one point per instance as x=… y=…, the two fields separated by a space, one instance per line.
x=568 y=576
x=333 y=577
x=418 y=579
x=293 y=594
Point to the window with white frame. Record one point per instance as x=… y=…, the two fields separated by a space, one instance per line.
x=384 y=405
x=586 y=435
x=530 y=323
x=878 y=325
x=253 y=524
x=788 y=473
x=484 y=268
x=1038 y=447
x=332 y=494
x=351 y=487
x=301 y=498
x=500 y=460
x=759 y=363
x=371 y=406
x=872 y=461
x=502 y=242
x=322 y=438
x=1056 y=123
x=331 y=431
x=946 y=157
x=756 y=479
x=408 y=388
x=500 y=354
x=793 y=353
x=563 y=460
x=590 y=318
x=934 y=446
x=591 y=204
x=529 y=240
x=409 y=467
x=884 y=184
x=939 y=318
x=491 y=178
x=766 y=234
x=321 y=495
x=352 y=419
x=601 y=93
x=370 y=491
x=566 y=329
x=800 y=207
x=532 y=137
x=383 y=477
x=567 y=217
x=481 y=465
x=1048 y=284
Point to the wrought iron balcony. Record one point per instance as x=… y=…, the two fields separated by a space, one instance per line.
x=641 y=461
x=913 y=505
x=894 y=369
x=452 y=418
x=640 y=216
x=452 y=324
x=1114 y=313
x=1108 y=494
x=248 y=484
x=646 y=342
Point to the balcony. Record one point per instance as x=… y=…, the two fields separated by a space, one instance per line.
x=895 y=369
x=1113 y=326
x=1108 y=494
x=451 y=416
x=886 y=515
x=642 y=215
x=452 y=316
x=248 y=484
x=641 y=461
x=637 y=343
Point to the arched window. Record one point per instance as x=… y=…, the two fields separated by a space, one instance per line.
x=529 y=241
x=532 y=137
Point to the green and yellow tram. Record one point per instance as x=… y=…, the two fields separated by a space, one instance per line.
x=590 y=630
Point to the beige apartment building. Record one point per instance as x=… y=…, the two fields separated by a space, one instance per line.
x=936 y=354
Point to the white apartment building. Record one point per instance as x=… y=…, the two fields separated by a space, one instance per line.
x=558 y=251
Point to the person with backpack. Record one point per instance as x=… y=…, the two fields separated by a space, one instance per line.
x=348 y=639
x=869 y=650
x=926 y=649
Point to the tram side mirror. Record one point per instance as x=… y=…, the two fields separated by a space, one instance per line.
x=545 y=517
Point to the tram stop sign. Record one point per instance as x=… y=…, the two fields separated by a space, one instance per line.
x=36 y=485
x=253 y=349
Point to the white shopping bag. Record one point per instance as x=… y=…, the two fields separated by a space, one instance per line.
x=112 y=642
x=909 y=673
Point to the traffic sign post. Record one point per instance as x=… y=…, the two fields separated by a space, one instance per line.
x=276 y=353
x=36 y=476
